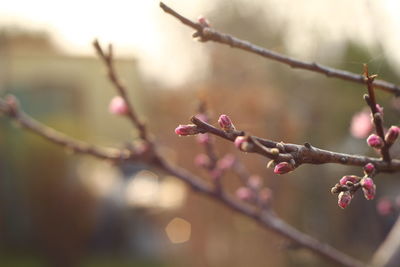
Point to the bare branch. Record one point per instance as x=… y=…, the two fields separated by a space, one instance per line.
x=11 y=108
x=209 y=34
x=303 y=154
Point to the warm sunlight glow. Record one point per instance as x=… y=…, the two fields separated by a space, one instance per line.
x=164 y=48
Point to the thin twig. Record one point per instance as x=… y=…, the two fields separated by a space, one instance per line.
x=12 y=109
x=209 y=34
x=113 y=77
x=377 y=115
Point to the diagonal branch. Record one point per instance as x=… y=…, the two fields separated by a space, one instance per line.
x=10 y=107
x=108 y=60
x=267 y=220
x=208 y=34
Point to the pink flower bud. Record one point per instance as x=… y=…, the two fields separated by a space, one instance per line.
x=283 y=167
x=384 y=206
x=202 y=160
x=189 y=129
x=242 y=143
x=375 y=141
x=226 y=162
x=361 y=124
x=118 y=106
x=244 y=193
x=254 y=182
x=203 y=21
x=369 y=168
x=344 y=199
x=392 y=134
x=368 y=188
x=226 y=123
x=239 y=141
x=349 y=178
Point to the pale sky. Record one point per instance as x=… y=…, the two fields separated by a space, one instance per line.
x=164 y=47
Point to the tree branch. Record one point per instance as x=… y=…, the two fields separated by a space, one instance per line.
x=302 y=154
x=208 y=34
x=10 y=107
x=107 y=58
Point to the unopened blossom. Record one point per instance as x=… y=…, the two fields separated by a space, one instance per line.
x=226 y=123
x=344 y=199
x=349 y=178
x=242 y=143
x=361 y=124
x=369 y=168
x=384 y=206
x=239 y=141
x=283 y=167
x=244 y=193
x=368 y=187
x=203 y=21
x=188 y=129
x=375 y=141
x=392 y=134
x=118 y=106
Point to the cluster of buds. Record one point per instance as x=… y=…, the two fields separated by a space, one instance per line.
x=391 y=136
x=349 y=184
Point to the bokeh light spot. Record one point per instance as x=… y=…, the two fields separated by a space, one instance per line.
x=178 y=230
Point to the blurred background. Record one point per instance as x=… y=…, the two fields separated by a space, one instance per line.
x=61 y=209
